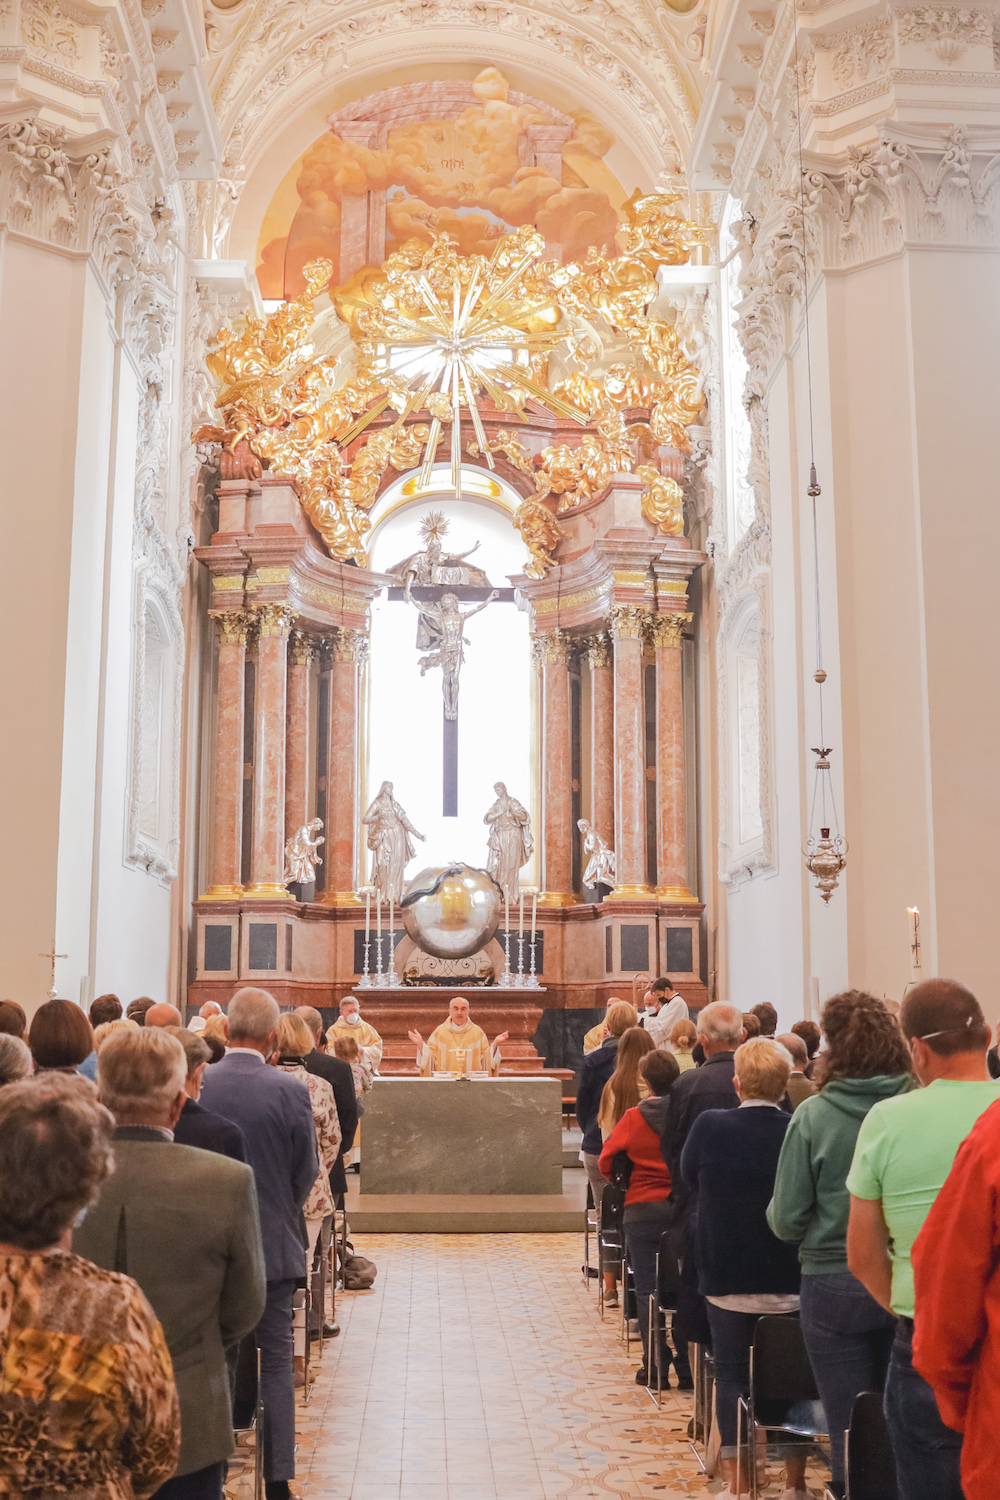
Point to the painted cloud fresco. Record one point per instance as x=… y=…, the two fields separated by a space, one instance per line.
x=471 y=159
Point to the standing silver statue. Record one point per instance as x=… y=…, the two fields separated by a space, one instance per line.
x=601 y=866
x=301 y=858
x=389 y=831
x=449 y=654
x=510 y=842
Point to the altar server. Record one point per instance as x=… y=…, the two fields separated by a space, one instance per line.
x=439 y=1054
x=598 y=1035
x=350 y=1024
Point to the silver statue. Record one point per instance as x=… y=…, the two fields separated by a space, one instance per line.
x=389 y=831
x=434 y=567
x=601 y=866
x=449 y=654
x=301 y=858
x=510 y=841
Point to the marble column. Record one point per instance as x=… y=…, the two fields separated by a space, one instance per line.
x=602 y=737
x=627 y=630
x=552 y=653
x=671 y=832
x=267 y=858
x=349 y=652
x=300 y=655
x=227 y=812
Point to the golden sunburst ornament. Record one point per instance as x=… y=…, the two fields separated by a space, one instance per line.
x=437 y=335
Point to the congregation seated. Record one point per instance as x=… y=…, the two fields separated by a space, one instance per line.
x=15 y=1059
x=169 y=1208
x=847 y=1333
x=800 y=1087
x=728 y=1163
x=13 y=1021
x=647 y=1210
x=683 y=1036
x=60 y=1037
x=104 y=1423
x=275 y=1115
x=196 y=1125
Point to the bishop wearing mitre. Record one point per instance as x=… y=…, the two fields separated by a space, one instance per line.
x=440 y=1052
x=349 y=1023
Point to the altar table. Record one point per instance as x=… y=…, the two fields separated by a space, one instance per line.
x=463 y=1136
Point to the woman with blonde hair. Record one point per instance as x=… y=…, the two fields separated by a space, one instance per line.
x=295 y=1043
x=108 y=1028
x=682 y=1039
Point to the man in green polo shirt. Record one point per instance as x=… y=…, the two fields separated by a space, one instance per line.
x=905 y=1149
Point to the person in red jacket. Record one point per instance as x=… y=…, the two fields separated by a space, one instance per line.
x=647 y=1215
x=956 y=1274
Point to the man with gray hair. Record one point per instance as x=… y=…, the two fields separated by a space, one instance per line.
x=184 y=1224
x=274 y=1112
x=15 y=1059
x=710 y=1086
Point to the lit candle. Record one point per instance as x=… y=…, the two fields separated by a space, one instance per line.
x=914 y=915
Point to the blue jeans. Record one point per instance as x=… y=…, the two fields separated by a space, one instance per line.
x=732 y=1340
x=273 y=1337
x=928 y=1454
x=643 y=1231
x=848 y=1337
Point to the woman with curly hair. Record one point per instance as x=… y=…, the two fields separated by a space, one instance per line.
x=848 y=1335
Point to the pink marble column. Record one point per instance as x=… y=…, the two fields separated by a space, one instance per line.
x=300 y=655
x=227 y=818
x=671 y=833
x=552 y=653
x=602 y=738
x=267 y=857
x=349 y=652
x=630 y=770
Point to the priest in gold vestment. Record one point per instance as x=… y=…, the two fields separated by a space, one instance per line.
x=349 y=1023
x=458 y=1045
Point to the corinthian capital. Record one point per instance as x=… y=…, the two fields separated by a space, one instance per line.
x=598 y=649
x=626 y=623
x=551 y=648
x=668 y=629
x=273 y=620
x=233 y=626
x=349 y=645
x=301 y=648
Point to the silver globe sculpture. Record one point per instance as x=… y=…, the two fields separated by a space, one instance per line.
x=451 y=911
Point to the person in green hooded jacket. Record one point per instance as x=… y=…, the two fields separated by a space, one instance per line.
x=847 y=1334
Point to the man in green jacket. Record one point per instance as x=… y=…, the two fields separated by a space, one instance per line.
x=848 y=1335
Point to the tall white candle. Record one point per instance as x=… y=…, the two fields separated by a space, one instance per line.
x=368 y=914
x=390 y=931
x=378 y=925
x=520 y=920
x=534 y=911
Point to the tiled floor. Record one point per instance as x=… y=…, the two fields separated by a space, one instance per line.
x=477 y=1368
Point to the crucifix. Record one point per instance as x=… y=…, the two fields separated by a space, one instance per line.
x=435 y=582
x=52 y=956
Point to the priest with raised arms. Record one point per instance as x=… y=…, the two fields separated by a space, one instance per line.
x=439 y=1054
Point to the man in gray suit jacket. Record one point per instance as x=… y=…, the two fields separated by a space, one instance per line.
x=275 y=1115
x=184 y=1224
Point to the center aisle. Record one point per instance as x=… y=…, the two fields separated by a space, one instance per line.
x=477 y=1367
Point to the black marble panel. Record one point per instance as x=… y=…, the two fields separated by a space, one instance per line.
x=635 y=948
x=680 y=950
x=218 y=948
x=263 y=946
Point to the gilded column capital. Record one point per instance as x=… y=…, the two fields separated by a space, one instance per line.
x=273 y=620
x=597 y=650
x=301 y=648
x=349 y=645
x=627 y=623
x=233 y=626
x=668 y=629
x=551 y=648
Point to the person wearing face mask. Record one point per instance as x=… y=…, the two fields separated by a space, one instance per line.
x=350 y=1024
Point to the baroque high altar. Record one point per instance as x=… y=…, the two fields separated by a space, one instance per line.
x=563 y=383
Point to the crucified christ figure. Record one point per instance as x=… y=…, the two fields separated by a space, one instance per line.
x=449 y=654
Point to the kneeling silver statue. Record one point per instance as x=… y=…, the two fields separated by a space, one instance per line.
x=601 y=865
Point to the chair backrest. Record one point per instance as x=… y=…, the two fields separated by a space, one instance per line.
x=668 y=1275
x=871 y=1469
x=781 y=1368
x=612 y=1207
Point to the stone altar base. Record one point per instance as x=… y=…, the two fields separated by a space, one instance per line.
x=464 y=1156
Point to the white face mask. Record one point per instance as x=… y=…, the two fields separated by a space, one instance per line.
x=352 y=1018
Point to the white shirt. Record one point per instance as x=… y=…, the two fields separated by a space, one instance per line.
x=662 y=1024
